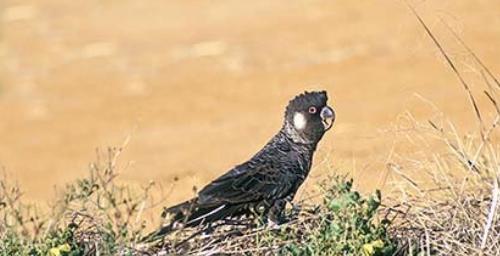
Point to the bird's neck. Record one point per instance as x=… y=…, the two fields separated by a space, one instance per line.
x=296 y=140
x=292 y=134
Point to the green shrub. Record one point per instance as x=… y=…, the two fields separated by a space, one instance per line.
x=345 y=224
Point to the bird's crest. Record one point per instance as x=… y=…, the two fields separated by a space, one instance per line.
x=306 y=99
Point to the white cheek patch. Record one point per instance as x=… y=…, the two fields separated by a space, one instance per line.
x=299 y=121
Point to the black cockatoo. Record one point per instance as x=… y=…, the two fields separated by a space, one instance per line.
x=269 y=179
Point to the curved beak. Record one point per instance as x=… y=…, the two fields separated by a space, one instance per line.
x=327 y=117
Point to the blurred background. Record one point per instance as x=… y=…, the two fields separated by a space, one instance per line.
x=200 y=86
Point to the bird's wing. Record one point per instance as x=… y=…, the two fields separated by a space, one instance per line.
x=249 y=182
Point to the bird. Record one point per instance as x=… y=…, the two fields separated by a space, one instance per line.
x=269 y=180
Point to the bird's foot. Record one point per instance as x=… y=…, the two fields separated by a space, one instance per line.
x=273 y=225
x=296 y=208
x=276 y=222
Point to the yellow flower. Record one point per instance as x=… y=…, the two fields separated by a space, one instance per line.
x=369 y=249
x=56 y=251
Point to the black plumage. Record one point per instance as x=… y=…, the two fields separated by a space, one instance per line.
x=270 y=178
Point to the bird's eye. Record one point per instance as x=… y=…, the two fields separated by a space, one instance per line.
x=312 y=110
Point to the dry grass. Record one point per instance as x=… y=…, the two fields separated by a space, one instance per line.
x=95 y=215
x=455 y=211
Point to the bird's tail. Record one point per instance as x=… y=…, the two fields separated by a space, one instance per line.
x=186 y=214
x=178 y=213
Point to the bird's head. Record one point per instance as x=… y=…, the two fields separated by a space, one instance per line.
x=308 y=117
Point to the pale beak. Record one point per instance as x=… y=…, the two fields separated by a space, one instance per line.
x=327 y=117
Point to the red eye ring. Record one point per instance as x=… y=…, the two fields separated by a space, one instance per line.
x=312 y=110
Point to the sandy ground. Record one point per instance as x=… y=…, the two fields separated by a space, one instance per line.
x=201 y=85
